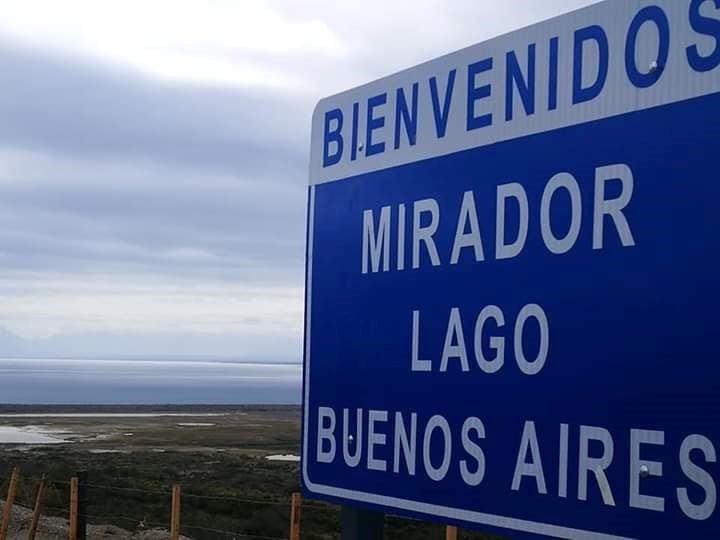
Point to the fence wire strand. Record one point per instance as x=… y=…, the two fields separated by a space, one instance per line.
x=142 y=524
x=146 y=524
x=188 y=495
x=232 y=533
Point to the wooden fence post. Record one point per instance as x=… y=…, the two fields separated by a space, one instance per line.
x=73 y=516
x=37 y=510
x=175 y=513
x=82 y=505
x=295 y=502
x=9 y=500
x=451 y=533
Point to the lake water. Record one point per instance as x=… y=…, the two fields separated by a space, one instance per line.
x=28 y=435
x=63 y=381
x=284 y=457
x=115 y=415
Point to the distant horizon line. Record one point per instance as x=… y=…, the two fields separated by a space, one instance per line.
x=147 y=405
x=157 y=358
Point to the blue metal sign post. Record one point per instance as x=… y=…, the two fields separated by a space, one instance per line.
x=512 y=282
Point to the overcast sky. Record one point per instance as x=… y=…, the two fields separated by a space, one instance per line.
x=154 y=155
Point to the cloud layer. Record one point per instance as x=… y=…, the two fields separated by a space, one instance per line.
x=153 y=157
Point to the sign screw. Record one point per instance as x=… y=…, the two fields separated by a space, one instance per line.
x=644 y=471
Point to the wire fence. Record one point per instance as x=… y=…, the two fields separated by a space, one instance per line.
x=134 y=509
x=202 y=516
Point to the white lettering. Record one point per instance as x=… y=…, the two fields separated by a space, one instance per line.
x=325 y=433
x=504 y=192
x=352 y=460
x=554 y=244
x=470 y=239
x=701 y=477
x=563 y=461
x=401 y=238
x=437 y=473
x=417 y=364
x=407 y=443
x=613 y=207
x=376 y=247
x=639 y=437
x=497 y=343
x=536 y=312
x=587 y=464
x=472 y=448
x=454 y=342
x=375 y=439
x=424 y=234
x=534 y=468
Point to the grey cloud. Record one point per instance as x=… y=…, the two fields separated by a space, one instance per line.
x=78 y=107
x=193 y=346
x=235 y=233
x=118 y=177
x=126 y=173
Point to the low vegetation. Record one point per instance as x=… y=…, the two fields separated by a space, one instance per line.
x=229 y=489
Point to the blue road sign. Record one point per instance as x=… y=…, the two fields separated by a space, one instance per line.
x=512 y=281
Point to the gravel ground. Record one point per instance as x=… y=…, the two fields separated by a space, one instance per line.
x=55 y=528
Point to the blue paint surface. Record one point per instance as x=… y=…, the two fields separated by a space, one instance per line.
x=632 y=329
